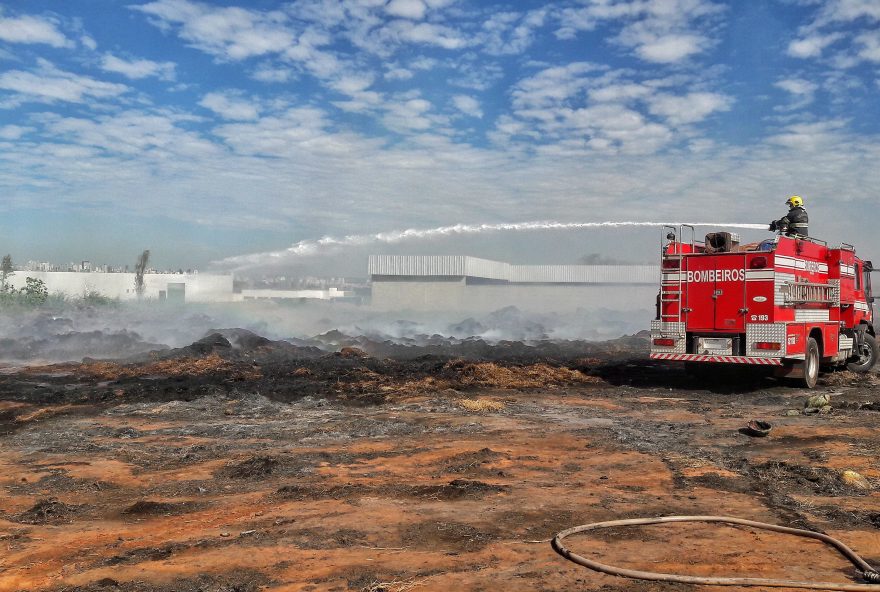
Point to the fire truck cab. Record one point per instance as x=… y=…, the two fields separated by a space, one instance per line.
x=790 y=303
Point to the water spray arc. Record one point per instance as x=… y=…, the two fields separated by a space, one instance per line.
x=313 y=247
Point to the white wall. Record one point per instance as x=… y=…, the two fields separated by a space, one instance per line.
x=199 y=287
x=453 y=296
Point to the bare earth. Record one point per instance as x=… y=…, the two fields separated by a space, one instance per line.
x=219 y=473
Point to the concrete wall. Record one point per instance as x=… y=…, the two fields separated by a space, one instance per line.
x=457 y=295
x=199 y=287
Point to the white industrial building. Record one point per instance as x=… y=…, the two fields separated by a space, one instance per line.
x=174 y=287
x=468 y=283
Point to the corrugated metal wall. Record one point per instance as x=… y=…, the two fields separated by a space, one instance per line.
x=457 y=265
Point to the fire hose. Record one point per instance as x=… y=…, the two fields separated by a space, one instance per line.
x=868 y=573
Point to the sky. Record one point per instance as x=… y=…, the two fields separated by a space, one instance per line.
x=205 y=130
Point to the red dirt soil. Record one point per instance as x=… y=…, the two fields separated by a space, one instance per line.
x=429 y=488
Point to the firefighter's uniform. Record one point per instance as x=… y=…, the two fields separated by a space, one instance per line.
x=796 y=221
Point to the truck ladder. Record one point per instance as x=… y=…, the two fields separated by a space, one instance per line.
x=808 y=293
x=668 y=295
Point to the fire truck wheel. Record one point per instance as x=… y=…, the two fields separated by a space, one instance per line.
x=867 y=357
x=811 y=364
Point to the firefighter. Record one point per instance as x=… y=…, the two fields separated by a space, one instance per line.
x=796 y=222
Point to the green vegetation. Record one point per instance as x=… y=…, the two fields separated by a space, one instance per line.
x=93 y=297
x=34 y=293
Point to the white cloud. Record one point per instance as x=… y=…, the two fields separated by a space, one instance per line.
x=136 y=69
x=553 y=85
x=810 y=136
x=13 y=132
x=268 y=73
x=353 y=83
x=231 y=33
x=849 y=25
x=467 y=105
x=507 y=33
x=624 y=92
x=583 y=107
x=424 y=33
x=869 y=46
x=802 y=91
x=476 y=76
x=49 y=84
x=32 y=29
x=690 y=108
x=409 y=115
x=145 y=134
x=230 y=106
x=849 y=11
x=88 y=42
x=396 y=73
x=574 y=20
x=658 y=31
x=667 y=48
x=812 y=45
x=411 y=9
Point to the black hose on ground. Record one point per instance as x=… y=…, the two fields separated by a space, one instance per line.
x=869 y=574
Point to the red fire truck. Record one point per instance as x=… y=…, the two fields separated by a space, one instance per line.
x=792 y=303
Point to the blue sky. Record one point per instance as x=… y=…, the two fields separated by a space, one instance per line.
x=204 y=130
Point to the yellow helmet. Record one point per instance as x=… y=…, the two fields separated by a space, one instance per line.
x=795 y=201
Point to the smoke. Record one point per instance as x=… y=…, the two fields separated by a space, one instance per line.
x=71 y=332
x=327 y=244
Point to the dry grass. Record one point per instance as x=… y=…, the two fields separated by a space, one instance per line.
x=212 y=364
x=481 y=405
x=41 y=413
x=488 y=374
x=459 y=374
x=845 y=377
x=393 y=586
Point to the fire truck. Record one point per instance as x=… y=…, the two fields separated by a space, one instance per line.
x=790 y=303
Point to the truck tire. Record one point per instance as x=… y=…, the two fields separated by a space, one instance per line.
x=811 y=364
x=867 y=357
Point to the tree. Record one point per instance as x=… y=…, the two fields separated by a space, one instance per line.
x=140 y=267
x=34 y=292
x=5 y=272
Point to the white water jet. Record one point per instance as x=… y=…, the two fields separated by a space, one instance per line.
x=313 y=247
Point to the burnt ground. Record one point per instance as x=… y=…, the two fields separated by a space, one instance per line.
x=241 y=464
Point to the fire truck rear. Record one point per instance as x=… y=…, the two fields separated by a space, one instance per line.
x=791 y=303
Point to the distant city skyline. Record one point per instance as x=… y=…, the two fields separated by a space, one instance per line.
x=204 y=130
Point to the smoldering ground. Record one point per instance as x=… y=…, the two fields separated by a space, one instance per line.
x=70 y=332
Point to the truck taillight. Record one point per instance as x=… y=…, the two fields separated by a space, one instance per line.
x=768 y=345
x=758 y=263
x=666 y=342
